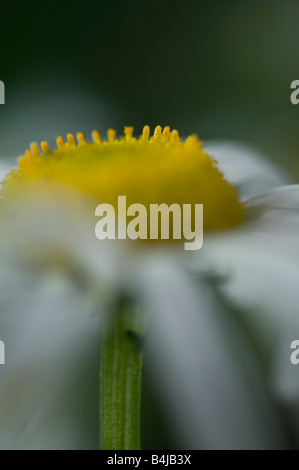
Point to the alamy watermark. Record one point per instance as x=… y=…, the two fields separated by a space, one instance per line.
x=295 y=354
x=295 y=94
x=2 y=92
x=2 y=353
x=163 y=222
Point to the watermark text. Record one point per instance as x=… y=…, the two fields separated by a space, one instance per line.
x=2 y=92
x=2 y=353
x=160 y=222
x=295 y=354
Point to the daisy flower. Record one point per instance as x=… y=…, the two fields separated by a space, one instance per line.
x=214 y=326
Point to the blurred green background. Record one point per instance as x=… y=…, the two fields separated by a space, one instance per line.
x=220 y=69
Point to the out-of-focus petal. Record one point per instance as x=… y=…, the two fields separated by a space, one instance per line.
x=281 y=197
x=49 y=385
x=56 y=279
x=205 y=371
x=5 y=167
x=260 y=273
x=245 y=167
x=51 y=227
x=276 y=213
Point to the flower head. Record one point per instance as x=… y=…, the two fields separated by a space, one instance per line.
x=151 y=169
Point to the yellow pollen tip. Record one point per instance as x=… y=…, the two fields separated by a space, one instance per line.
x=96 y=137
x=128 y=131
x=174 y=137
x=60 y=142
x=27 y=160
x=22 y=162
x=111 y=134
x=45 y=147
x=71 y=139
x=34 y=149
x=157 y=133
x=145 y=133
x=193 y=142
x=166 y=134
x=81 y=138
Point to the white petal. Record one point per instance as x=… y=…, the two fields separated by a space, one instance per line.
x=276 y=213
x=54 y=276
x=53 y=228
x=245 y=167
x=49 y=385
x=5 y=167
x=261 y=278
x=204 y=369
x=281 y=197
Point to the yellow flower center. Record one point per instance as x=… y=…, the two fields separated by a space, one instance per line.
x=149 y=170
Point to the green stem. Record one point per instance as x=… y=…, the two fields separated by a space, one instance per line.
x=120 y=383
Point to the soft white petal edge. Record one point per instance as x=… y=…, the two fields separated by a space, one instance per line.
x=217 y=402
x=260 y=272
x=48 y=386
x=245 y=167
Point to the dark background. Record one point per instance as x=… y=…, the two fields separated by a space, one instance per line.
x=222 y=69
